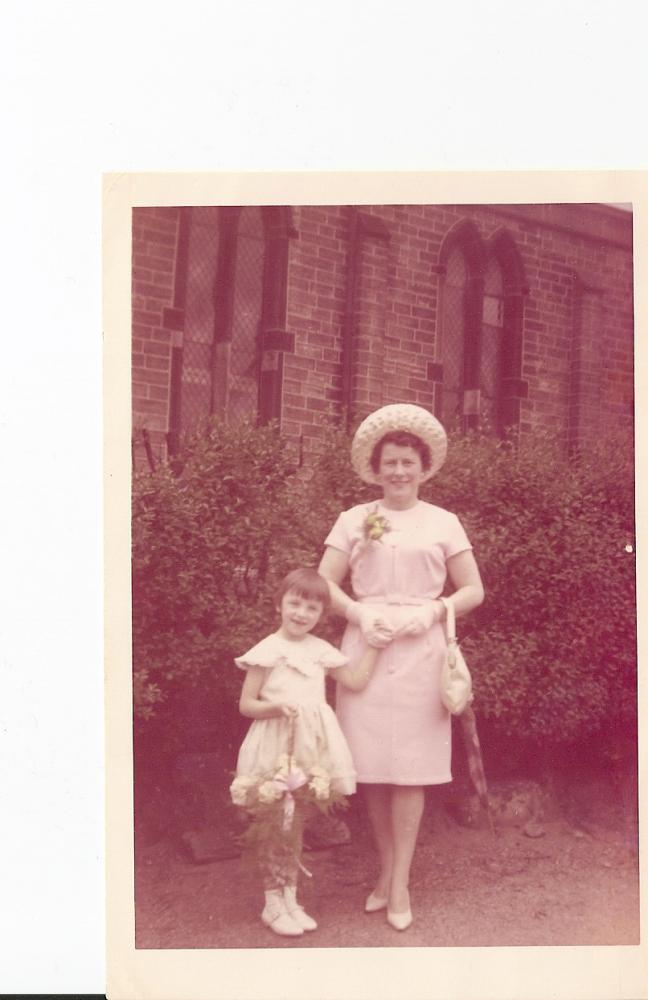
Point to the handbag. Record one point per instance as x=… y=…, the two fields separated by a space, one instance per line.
x=456 y=683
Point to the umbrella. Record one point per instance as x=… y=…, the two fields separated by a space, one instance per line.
x=475 y=761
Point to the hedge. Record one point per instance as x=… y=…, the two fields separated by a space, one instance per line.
x=552 y=649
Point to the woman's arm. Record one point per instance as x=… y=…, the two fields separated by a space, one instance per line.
x=333 y=568
x=358 y=679
x=464 y=574
x=252 y=706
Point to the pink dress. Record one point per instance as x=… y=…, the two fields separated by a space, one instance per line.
x=397 y=728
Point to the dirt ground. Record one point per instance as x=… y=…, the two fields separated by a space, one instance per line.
x=575 y=881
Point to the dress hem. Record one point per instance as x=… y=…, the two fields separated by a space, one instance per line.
x=409 y=782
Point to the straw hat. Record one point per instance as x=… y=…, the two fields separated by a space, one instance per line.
x=398 y=417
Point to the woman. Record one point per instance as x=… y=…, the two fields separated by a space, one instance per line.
x=399 y=551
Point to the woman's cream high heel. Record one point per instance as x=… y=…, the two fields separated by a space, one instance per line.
x=374 y=903
x=400 y=921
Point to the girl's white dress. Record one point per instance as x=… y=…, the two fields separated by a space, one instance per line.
x=296 y=671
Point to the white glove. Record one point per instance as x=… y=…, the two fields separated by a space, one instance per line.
x=373 y=626
x=422 y=618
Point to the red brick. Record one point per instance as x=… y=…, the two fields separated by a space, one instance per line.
x=152 y=406
x=155 y=263
x=158 y=392
x=151 y=291
x=163 y=280
x=151 y=347
x=142 y=273
x=147 y=317
x=153 y=361
x=167 y=213
x=156 y=236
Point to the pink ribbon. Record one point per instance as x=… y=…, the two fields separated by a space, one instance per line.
x=288 y=784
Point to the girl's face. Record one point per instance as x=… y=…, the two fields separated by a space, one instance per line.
x=298 y=614
x=399 y=473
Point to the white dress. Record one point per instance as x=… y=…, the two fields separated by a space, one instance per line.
x=296 y=671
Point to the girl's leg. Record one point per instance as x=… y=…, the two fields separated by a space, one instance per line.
x=378 y=800
x=407 y=803
x=278 y=867
x=296 y=911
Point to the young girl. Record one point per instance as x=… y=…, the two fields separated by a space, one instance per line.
x=295 y=741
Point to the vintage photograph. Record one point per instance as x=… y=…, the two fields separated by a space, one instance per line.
x=384 y=673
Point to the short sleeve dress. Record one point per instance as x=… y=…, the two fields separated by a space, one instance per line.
x=397 y=728
x=296 y=671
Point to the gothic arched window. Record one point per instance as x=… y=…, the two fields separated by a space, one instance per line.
x=480 y=321
x=231 y=292
x=452 y=341
x=490 y=364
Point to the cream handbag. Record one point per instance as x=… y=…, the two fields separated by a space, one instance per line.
x=456 y=683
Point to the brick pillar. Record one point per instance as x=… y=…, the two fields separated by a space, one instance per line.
x=276 y=341
x=585 y=364
x=513 y=387
x=155 y=239
x=367 y=384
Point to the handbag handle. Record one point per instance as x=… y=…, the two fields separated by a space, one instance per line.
x=450 y=619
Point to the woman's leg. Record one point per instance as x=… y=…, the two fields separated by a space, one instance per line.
x=407 y=803
x=378 y=800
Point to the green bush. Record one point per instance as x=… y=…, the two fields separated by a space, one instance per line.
x=205 y=548
x=552 y=649
x=553 y=646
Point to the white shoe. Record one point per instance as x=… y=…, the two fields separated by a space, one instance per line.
x=374 y=903
x=297 y=912
x=276 y=916
x=400 y=921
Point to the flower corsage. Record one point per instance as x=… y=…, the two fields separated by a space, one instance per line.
x=375 y=526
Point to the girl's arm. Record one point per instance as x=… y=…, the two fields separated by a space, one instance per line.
x=254 y=707
x=358 y=679
x=464 y=574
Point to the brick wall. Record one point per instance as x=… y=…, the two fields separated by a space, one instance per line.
x=155 y=236
x=577 y=347
x=576 y=371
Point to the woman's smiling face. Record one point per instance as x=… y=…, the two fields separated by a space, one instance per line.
x=399 y=473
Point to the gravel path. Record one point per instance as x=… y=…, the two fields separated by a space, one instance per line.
x=573 y=885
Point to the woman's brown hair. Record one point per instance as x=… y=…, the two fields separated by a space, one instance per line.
x=404 y=439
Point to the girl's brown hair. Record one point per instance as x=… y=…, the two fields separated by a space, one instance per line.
x=308 y=583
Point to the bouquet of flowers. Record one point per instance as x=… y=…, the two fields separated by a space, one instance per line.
x=278 y=802
x=283 y=788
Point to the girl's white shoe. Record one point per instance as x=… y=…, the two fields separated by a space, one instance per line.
x=297 y=912
x=275 y=915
